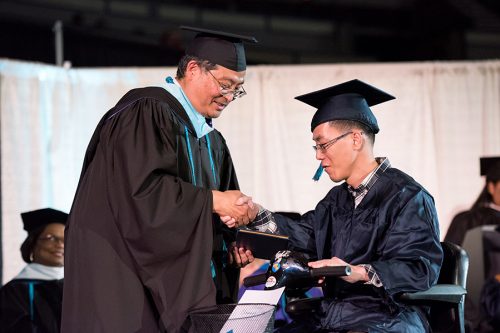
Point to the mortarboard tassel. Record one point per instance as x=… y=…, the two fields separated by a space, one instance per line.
x=318 y=173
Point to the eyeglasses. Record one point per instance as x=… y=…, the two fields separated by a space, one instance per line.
x=51 y=239
x=225 y=90
x=324 y=146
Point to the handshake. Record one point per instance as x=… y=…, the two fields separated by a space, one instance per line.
x=234 y=208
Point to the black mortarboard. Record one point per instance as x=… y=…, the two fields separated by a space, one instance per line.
x=350 y=100
x=221 y=48
x=37 y=218
x=490 y=167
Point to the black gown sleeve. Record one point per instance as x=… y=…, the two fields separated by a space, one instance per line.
x=300 y=232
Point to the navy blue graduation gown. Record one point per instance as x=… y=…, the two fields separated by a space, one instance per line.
x=141 y=234
x=395 y=229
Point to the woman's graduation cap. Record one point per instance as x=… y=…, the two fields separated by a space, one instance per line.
x=221 y=48
x=40 y=217
x=490 y=167
x=350 y=100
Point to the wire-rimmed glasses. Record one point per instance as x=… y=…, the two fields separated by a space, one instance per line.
x=324 y=146
x=51 y=239
x=238 y=92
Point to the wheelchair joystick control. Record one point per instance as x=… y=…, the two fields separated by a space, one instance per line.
x=289 y=269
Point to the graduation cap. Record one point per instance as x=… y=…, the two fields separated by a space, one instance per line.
x=350 y=100
x=490 y=167
x=221 y=48
x=37 y=218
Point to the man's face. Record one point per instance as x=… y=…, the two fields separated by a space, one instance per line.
x=337 y=159
x=49 y=247
x=204 y=90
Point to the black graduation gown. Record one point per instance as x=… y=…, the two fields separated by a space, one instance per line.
x=470 y=219
x=31 y=306
x=141 y=233
x=395 y=229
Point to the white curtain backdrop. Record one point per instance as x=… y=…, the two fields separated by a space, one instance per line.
x=446 y=115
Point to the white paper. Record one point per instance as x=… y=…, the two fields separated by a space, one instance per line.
x=262 y=296
x=252 y=319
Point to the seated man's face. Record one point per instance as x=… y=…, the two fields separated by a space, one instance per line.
x=494 y=190
x=337 y=158
x=49 y=247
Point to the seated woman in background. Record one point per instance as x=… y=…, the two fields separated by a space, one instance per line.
x=486 y=209
x=31 y=302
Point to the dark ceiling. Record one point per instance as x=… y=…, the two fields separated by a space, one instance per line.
x=145 y=32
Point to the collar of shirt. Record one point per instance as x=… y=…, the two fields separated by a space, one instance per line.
x=199 y=122
x=493 y=206
x=360 y=192
x=36 y=271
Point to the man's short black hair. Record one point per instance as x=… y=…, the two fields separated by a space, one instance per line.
x=181 y=68
x=347 y=125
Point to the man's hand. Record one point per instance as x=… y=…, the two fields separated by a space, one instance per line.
x=358 y=273
x=253 y=210
x=225 y=205
x=240 y=257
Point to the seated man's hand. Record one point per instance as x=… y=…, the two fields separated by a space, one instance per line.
x=358 y=273
x=240 y=257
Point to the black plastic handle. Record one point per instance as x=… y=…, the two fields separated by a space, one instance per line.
x=329 y=271
x=254 y=280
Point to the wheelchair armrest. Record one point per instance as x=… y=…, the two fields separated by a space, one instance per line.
x=303 y=306
x=449 y=293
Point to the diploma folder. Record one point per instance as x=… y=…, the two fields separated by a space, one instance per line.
x=262 y=245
